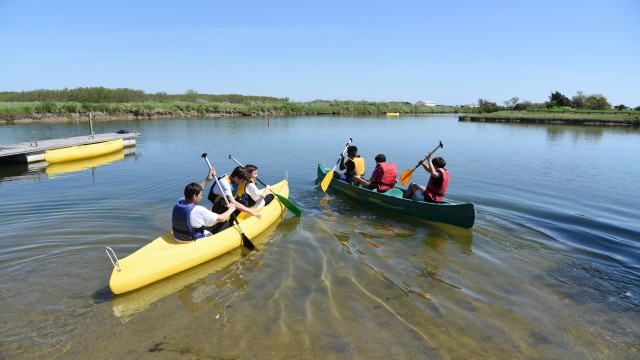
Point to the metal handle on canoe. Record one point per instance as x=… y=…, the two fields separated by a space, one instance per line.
x=117 y=262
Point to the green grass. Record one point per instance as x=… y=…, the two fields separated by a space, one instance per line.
x=613 y=117
x=67 y=110
x=12 y=111
x=26 y=110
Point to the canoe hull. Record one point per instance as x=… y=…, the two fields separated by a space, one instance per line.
x=77 y=165
x=449 y=212
x=164 y=257
x=83 y=151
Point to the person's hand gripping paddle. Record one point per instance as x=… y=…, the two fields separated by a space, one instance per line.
x=245 y=240
x=407 y=174
x=283 y=200
x=327 y=178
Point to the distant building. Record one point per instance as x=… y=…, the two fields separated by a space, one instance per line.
x=425 y=103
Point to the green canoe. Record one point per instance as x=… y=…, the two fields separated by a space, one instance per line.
x=449 y=212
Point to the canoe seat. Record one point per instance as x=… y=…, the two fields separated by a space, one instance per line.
x=395 y=192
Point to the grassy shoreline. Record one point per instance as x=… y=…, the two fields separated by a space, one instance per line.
x=25 y=112
x=50 y=112
x=565 y=117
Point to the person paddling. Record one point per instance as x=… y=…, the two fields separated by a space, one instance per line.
x=255 y=197
x=232 y=188
x=354 y=165
x=383 y=178
x=190 y=220
x=437 y=185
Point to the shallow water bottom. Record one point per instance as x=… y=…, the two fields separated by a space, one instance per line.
x=361 y=289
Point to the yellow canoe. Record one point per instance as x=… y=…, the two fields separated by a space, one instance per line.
x=164 y=257
x=77 y=165
x=125 y=306
x=83 y=151
x=393 y=114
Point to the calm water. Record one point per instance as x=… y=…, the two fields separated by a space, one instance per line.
x=551 y=268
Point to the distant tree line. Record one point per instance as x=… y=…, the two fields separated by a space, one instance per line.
x=102 y=95
x=124 y=95
x=557 y=100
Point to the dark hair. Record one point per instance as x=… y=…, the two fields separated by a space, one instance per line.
x=250 y=168
x=192 y=190
x=240 y=172
x=380 y=158
x=352 y=150
x=439 y=162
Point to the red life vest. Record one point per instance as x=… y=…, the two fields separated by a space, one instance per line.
x=384 y=176
x=436 y=193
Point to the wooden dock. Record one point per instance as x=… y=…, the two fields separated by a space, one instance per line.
x=31 y=152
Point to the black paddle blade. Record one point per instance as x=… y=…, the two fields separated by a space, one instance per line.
x=247 y=243
x=245 y=240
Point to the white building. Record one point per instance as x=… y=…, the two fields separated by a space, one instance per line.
x=425 y=103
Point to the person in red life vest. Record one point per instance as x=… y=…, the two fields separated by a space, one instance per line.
x=383 y=177
x=437 y=185
x=191 y=221
x=354 y=165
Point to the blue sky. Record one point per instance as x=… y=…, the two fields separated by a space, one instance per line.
x=451 y=52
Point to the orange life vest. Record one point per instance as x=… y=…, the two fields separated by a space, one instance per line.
x=384 y=176
x=436 y=193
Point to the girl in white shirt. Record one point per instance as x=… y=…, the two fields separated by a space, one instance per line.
x=257 y=198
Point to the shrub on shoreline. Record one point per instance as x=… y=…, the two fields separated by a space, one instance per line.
x=11 y=111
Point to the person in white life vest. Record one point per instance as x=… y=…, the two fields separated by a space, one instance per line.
x=354 y=165
x=383 y=178
x=437 y=185
x=190 y=220
x=254 y=197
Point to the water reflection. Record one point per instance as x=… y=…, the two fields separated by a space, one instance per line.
x=19 y=171
x=126 y=305
x=22 y=171
x=556 y=133
x=90 y=163
x=411 y=254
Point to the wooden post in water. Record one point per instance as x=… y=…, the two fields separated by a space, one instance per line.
x=90 y=124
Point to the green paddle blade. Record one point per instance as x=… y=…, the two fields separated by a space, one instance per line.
x=289 y=205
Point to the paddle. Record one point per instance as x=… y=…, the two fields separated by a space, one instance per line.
x=327 y=178
x=245 y=240
x=406 y=175
x=283 y=200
